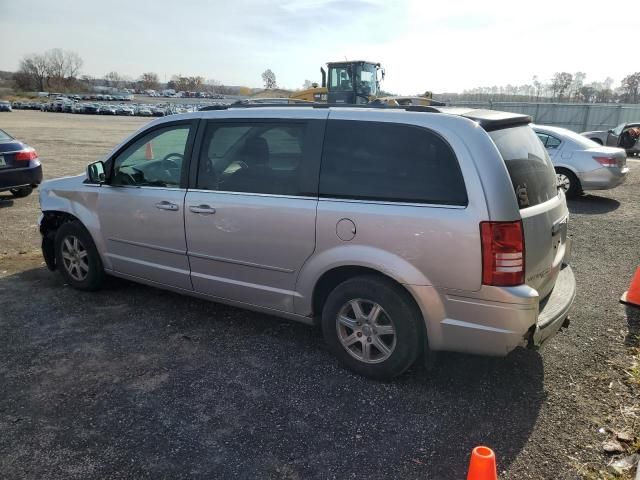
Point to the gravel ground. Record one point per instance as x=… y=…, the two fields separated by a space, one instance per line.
x=134 y=382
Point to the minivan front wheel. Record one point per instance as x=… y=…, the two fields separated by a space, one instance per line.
x=372 y=326
x=77 y=258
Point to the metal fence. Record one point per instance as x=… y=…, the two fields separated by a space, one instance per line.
x=574 y=116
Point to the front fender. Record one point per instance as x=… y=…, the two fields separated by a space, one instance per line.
x=373 y=258
x=81 y=203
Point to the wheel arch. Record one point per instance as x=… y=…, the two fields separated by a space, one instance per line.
x=50 y=222
x=333 y=277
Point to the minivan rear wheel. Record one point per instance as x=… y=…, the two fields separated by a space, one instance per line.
x=569 y=183
x=372 y=326
x=77 y=258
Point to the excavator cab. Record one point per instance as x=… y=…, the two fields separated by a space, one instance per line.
x=354 y=82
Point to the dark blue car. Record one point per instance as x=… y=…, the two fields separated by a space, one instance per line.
x=20 y=169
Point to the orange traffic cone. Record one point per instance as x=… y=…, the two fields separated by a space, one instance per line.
x=482 y=465
x=148 y=151
x=632 y=296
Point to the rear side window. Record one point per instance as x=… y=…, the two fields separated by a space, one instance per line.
x=255 y=157
x=389 y=162
x=529 y=166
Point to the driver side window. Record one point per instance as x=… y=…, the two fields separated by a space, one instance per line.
x=154 y=160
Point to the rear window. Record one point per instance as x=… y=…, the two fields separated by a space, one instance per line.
x=389 y=162
x=532 y=174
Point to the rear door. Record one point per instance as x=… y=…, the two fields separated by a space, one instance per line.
x=250 y=221
x=542 y=206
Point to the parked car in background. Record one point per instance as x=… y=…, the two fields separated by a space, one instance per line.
x=20 y=169
x=145 y=112
x=580 y=163
x=91 y=108
x=399 y=232
x=124 y=110
x=625 y=135
x=107 y=110
x=5 y=106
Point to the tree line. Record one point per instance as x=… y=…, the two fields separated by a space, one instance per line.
x=59 y=71
x=562 y=87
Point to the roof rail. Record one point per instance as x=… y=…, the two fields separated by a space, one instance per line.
x=487 y=119
x=305 y=103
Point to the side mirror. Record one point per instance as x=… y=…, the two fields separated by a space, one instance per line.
x=95 y=172
x=611 y=130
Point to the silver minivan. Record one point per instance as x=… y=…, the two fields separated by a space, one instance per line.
x=401 y=231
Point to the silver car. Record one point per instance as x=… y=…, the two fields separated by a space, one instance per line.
x=625 y=135
x=580 y=163
x=401 y=231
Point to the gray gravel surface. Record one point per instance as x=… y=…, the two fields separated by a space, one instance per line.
x=135 y=382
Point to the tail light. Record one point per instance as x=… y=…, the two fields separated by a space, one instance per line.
x=502 y=253
x=26 y=155
x=607 y=161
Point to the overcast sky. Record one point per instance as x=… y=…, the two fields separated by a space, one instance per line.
x=424 y=45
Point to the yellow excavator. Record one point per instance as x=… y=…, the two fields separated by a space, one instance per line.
x=356 y=82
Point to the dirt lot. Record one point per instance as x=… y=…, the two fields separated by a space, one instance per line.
x=134 y=382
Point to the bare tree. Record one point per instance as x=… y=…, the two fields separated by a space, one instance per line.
x=149 y=81
x=56 y=68
x=62 y=66
x=560 y=83
x=269 y=79
x=33 y=72
x=576 y=84
x=188 y=84
x=631 y=87
x=113 y=79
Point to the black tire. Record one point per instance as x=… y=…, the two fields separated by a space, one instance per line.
x=574 y=188
x=21 y=192
x=94 y=276
x=398 y=310
x=597 y=140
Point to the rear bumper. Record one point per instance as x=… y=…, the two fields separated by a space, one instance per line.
x=495 y=320
x=554 y=310
x=603 y=178
x=20 y=177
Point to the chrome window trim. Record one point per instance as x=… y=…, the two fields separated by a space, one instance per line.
x=254 y=194
x=387 y=202
x=144 y=187
x=332 y=199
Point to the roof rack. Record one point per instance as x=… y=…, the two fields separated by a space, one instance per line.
x=488 y=119
x=306 y=103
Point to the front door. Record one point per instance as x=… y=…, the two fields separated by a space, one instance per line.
x=250 y=222
x=141 y=209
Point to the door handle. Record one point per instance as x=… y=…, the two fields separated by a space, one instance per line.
x=164 y=205
x=203 y=209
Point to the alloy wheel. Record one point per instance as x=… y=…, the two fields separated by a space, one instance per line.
x=366 y=331
x=564 y=182
x=75 y=258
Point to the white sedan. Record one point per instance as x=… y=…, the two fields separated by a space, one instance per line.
x=580 y=163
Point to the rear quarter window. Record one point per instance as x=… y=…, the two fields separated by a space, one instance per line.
x=389 y=162
x=532 y=174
